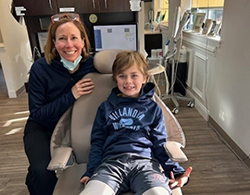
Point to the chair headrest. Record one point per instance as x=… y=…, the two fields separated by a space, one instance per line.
x=103 y=60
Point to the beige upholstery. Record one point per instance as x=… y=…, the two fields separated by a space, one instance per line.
x=70 y=141
x=103 y=61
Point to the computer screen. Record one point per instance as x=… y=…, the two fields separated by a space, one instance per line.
x=122 y=36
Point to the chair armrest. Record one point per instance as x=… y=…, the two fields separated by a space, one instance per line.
x=61 y=159
x=174 y=151
x=61 y=133
x=173 y=127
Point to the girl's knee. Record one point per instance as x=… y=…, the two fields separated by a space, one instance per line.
x=157 y=191
x=97 y=187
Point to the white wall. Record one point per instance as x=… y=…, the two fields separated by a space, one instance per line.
x=15 y=56
x=1 y=38
x=229 y=93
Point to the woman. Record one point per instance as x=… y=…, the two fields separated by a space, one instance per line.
x=55 y=83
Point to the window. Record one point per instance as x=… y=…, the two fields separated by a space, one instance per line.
x=161 y=11
x=207 y=3
x=212 y=8
x=212 y=13
x=164 y=10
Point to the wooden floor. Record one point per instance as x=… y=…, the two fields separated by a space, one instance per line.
x=216 y=170
x=13 y=162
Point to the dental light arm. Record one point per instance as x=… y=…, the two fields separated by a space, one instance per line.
x=176 y=36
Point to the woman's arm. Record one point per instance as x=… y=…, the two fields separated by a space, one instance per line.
x=40 y=108
x=52 y=91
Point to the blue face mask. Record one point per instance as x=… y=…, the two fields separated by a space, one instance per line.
x=71 y=65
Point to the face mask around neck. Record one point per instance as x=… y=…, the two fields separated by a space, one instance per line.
x=70 y=65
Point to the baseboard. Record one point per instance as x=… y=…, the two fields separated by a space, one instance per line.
x=237 y=150
x=199 y=106
x=20 y=90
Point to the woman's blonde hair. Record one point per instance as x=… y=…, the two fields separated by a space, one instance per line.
x=126 y=59
x=50 y=51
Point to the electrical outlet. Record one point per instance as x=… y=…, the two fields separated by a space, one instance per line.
x=222 y=115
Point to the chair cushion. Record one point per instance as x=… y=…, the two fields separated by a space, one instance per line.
x=83 y=114
x=174 y=129
x=69 y=181
x=103 y=60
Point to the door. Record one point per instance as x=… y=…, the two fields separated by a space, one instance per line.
x=76 y=6
x=43 y=7
x=50 y=7
x=87 y=6
x=102 y=6
x=114 y=6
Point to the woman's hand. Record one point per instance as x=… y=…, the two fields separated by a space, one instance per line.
x=181 y=181
x=82 y=87
x=84 y=180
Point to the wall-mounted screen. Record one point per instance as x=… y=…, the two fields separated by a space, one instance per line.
x=122 y=36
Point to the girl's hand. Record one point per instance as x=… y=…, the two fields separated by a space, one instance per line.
x=82 y=87
x=181 y=181
x=84 y=180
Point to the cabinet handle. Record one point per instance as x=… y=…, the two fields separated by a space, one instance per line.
x=106 y=6
x=50 y=4
x=93 y=1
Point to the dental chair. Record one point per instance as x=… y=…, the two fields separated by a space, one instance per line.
x=70 y=143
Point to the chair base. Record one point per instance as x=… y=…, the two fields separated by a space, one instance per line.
x=175 y=98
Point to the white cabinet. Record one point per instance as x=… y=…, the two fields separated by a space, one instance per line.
x=201 y=54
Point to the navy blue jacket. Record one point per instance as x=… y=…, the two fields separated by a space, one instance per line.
x=130 y=125
x=50 y=90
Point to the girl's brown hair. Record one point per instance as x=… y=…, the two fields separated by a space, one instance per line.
x=126 y=59
x=50 y=51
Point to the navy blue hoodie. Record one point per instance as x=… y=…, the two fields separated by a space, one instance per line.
x=130 y=125
x=50 y=92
